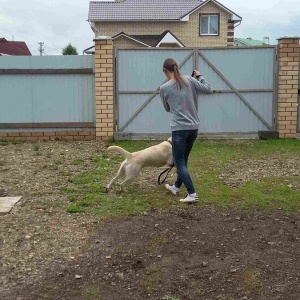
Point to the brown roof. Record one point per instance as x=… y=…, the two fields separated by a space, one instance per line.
x=13 y=48
x=149 y=39
x=141 y=9
x=147 y=10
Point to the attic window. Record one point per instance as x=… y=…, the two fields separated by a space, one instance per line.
x=209 y=24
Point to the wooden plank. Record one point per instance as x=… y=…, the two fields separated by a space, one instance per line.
x=7 y=203
x=45 y=71
x=47 y=125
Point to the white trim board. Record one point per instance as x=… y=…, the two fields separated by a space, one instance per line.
x=234 y=16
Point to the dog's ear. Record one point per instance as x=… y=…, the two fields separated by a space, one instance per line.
x=170 y=140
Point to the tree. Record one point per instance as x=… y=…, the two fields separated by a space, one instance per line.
x=69 y=50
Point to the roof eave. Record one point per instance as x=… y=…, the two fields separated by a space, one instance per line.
x=234 y=17
x=135 y=21
x=129 y=37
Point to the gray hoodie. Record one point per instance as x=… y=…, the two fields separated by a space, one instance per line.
x=181 y=102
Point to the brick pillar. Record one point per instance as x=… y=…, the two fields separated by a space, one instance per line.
x=288 y=63
x=104 y=86
x=230 y=33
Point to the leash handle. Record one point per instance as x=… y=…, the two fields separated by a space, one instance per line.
x=193 y=75
x=167 y=171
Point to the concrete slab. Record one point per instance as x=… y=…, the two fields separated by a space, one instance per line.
x=7 y=203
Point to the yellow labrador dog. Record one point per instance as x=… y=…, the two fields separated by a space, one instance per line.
x=155 y=156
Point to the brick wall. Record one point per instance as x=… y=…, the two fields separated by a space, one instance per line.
x=186 y=32
x=49 y=135
x=288 y=75
x=104 y=85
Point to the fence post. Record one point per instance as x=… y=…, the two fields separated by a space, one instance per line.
x=288 y=63
x=104 y=87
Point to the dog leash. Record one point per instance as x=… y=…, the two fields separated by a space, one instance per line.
x=167 y=171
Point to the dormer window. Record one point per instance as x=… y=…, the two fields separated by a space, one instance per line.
x=209 y=24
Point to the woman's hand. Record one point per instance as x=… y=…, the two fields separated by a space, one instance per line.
x=196 y=74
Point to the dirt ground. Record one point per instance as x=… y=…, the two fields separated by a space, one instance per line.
x=187 y=253
x=38 y=230
x=197 y=252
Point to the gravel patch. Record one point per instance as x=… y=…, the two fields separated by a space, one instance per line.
x=245 y=170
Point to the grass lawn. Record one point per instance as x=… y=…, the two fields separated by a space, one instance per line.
x=207 y=163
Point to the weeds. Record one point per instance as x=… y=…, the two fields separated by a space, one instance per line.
x=91 y=293
x=77 y=162
x=75 y=209
x=252 y=281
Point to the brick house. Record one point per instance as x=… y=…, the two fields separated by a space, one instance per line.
x=156 y=23
x=13 y=48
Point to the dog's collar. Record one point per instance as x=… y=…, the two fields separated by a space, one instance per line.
x=169 y=142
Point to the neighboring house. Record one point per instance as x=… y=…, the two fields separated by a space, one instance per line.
x=250 y=42
x=167 y=23
x=13 y=48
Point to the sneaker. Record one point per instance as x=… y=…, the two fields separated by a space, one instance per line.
x=190 y=199
x=174 y=190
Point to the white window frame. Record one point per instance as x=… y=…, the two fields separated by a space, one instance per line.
x=209 y=15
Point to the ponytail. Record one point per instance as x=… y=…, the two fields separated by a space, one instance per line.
x=171 y=65
x=179 y=80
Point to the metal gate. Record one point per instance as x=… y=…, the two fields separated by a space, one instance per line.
x=242 y=79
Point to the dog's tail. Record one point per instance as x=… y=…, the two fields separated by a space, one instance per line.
x=119 y=150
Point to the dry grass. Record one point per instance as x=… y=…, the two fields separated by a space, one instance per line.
x=252 y=280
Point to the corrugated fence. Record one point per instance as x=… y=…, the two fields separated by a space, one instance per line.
x=48 y=93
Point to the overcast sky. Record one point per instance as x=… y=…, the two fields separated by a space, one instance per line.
x=58 y=22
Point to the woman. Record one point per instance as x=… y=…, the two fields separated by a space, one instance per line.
x=179 y=96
